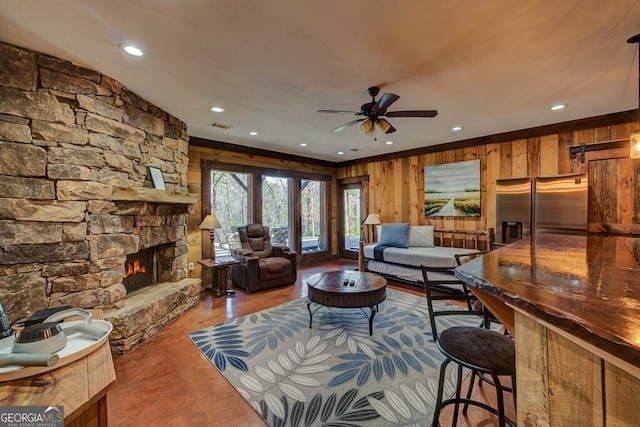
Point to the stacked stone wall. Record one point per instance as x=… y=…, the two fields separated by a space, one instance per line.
x=69 y=136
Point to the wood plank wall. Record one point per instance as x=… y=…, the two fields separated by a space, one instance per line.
x=396 y=187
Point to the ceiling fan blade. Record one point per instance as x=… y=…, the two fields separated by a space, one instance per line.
x=412 y=113
x=385 y=101
x=338 y=111
x=367 y=127
x=346 y=125
x=385 y=126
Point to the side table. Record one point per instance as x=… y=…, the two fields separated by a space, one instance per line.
x=220 y=273
x=81 y=387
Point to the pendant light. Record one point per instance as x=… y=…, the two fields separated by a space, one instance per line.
x=634 y=139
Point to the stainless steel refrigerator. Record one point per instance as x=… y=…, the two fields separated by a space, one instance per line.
x=550 y=204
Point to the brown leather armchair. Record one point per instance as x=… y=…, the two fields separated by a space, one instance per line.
x=262 y=266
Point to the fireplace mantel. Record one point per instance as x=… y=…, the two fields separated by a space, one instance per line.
x=152 y=195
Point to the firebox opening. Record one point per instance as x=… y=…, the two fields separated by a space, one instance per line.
x=141 y=269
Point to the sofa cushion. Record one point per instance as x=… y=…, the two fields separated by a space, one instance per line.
x=421 y=236
x=394 y=234
x=437 y=256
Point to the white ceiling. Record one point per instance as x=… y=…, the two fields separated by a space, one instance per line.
x=491 y=66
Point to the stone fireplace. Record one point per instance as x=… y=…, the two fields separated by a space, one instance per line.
x=76 y=197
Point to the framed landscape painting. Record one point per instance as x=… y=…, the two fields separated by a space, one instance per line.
x=452 y=189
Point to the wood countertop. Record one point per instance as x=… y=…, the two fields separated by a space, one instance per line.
x=588 y=287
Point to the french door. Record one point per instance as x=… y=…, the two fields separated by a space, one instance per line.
x=351 y=211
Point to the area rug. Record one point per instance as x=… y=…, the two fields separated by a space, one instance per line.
x=334 y=374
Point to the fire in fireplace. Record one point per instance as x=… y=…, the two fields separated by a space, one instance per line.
x=141 y=269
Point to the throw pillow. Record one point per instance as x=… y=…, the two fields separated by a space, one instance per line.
x=421 y=236
x=395 y=234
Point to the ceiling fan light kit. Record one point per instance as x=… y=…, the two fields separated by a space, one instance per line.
x=375 y=111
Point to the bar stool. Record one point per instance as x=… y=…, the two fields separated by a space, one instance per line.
x=486 y=353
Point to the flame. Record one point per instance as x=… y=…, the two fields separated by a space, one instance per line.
x=135 y=268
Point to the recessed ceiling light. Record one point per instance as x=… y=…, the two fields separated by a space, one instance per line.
x=341 y=152
x=131 y=50
x=389 y=142
x=457 y=128
x=558 y=107
x=217 y=109
x=303 y=145
x=253 y=133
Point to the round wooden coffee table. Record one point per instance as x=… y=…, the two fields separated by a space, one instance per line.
x=346 y=289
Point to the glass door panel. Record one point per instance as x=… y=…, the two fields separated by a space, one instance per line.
x=230 y=204
x=276 y=209
x=350 y=232
x=313 y=215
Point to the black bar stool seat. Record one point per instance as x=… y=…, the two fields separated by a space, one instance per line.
x=484 y=352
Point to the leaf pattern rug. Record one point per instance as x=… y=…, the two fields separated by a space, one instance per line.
x=334 y=374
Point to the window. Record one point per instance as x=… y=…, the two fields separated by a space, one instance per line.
x=230 y=204
x=294 y=205
x=313 y=215
x=275 y=209
x=352 y=215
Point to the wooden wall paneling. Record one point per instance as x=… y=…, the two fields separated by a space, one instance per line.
x=416 y=200
x=601 y=134
x=602 y=192
x=533 y=376
x=377 y=191
x=623 y=131
x=533 y=154
x=505 y=160
x=493 y=173
x=549 y=155
x=400 y=193
x=575 y=379
x=407 y=197
x=622 y=393
x=386 y=201
x=372 y=185
x=367 y=190
x=624 y=191
x=565 y=164
x=449 y=156
x=519 y=159
x=205 y=207
x=194 y=234
x=635 y=186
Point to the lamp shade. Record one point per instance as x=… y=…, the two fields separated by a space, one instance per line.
x=210 y=222
x=373 y=219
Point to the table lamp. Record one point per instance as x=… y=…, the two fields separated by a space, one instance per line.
x=211 y=223
x=371 y=222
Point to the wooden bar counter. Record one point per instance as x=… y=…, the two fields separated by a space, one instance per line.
x=81 y=387
x=573 y=305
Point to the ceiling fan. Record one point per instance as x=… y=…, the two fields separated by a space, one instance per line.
x=375 y=111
